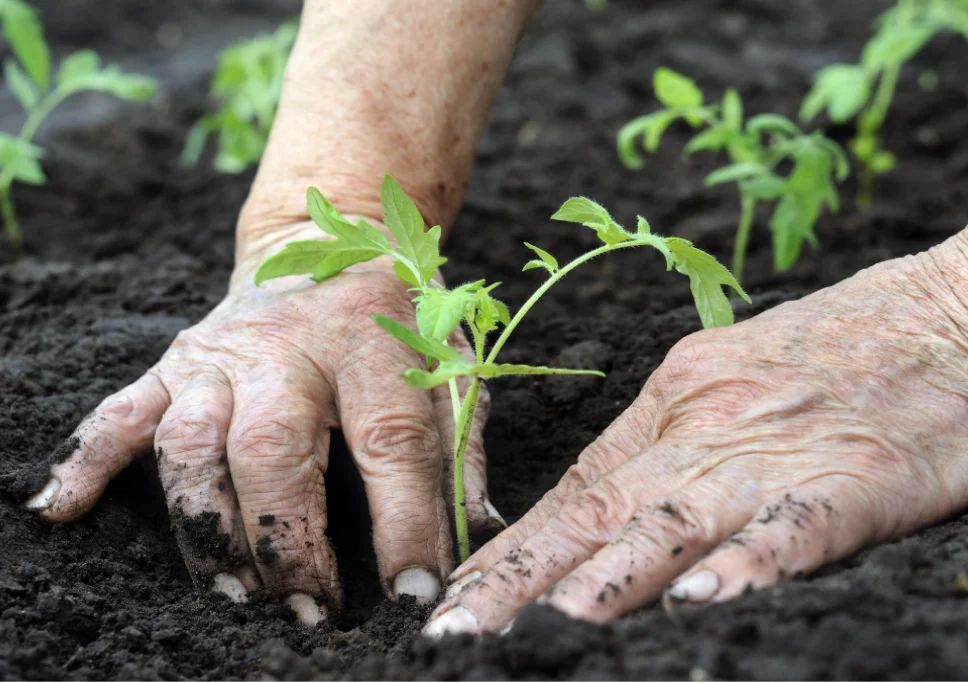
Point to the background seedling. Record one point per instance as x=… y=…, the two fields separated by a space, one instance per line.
x=865 y=91
x=248 y=84
x=28 y=76
x=757 y=149
x=439 y=310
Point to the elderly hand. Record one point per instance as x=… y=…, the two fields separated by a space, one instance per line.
x=239 y=411
x=754 y=453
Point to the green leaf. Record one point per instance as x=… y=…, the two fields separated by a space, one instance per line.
x=320 y=258
x=732 y=110
x=422 y=345
x=443 y=373
x=650 y=128
x=592 y=215
x=675 y=90
x=736 y=173
x=643 y=227
x=707 y=277
x=882 y=162
x=328 y=219
x=20 y=85
x=772 y=123
x=440 y=310
x=546 y=261
x=77 y=66
x=488 y=311
x=763 y=188
x=489 y=370
x=403 y=219
x=194 y=143
x=710 y=140
x=21 y=159
x=842 y=89
x=895 y=44
x=23 y=31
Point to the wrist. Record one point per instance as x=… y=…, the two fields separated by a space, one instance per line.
x=941 y=276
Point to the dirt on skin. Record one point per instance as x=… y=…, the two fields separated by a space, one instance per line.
x=125 y=250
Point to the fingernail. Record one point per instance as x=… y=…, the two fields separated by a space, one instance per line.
x=230 y=586
x=46 y=497
x=462 y=583
x=493 y=513
x=418 y=582
x=457 y=620
x=306 y=609
x=700 y=587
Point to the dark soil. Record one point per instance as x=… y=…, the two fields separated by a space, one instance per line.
x=125 y=250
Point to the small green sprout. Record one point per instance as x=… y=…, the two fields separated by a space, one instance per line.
x=416 y=257
x=756 y=147
x=248 y=84
x=865 y=91
x=28 y=76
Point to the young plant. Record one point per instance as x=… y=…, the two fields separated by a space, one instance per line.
x=248 y=84
x=757 y=149
x=416 y=257
x=865 y=91
x=28 y=77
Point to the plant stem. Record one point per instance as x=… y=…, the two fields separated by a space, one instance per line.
x=461 y=437
x=10 y=225
x=747 y=209
x=870 y=126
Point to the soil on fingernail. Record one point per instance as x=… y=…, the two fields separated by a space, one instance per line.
x=125 y=249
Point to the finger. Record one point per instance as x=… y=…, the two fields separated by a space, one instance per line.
x=664 y=538
x=632 y=432
x=278 y=449
x=795 y=534
x=483 y=519
x=585 y=523
x=391 y=429
x=193 y=466
x=120 y=429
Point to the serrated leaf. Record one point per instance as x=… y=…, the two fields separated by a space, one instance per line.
x=707 y=277
x=20 y=85
x=594 y=216
x=772 y=123
x=732 y=110
x=488 y=311
x=546 y=259
x=895 y=44
x=841 y=89
x=22 y=29
x=328 y=219
x=422 y=345
x=319 y=258
x=21 y=159
x=113 y=81
x=736 y=173
x=710 y=140
x=650 y=128
x=77 y=66
x=675 y=90
x=534 y=264
x=764 y=188
x=440 y=310
x=405 y=223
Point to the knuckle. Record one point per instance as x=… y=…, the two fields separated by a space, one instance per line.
x=126 y=409
x=598 y=512
x=198 y=431
x=401 y=437
x=270 y=437
x=378 y=295
x=669 y=525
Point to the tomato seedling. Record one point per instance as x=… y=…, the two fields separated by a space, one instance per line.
x=248 y=84
x=757 y=148
x=28 y=77
x=866 y=90
x=439 y=311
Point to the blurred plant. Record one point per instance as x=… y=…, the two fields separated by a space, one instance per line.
x=756 y=149
x=28 y=76
x=596 y=5
x=248 y=84
x=865 y=91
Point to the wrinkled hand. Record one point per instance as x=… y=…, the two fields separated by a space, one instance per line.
x=754 y=453
x=239 y=411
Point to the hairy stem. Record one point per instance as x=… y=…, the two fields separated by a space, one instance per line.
x=461 y=437
x=747 y=209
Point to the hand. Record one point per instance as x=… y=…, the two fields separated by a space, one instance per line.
x=754 y=453
x=239 y=411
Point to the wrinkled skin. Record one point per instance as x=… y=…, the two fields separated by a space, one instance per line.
x=239 y=411
x=753 y=454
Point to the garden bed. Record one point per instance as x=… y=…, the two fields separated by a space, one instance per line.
x=124 y=250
